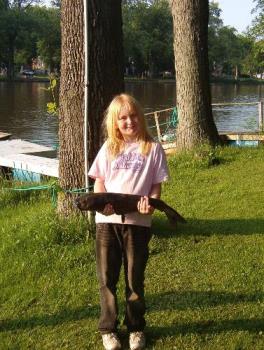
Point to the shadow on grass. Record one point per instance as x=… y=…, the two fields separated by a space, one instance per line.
x=252 y=325
x=50 y=320
x=153 y=333
x=177 y=300
x=198 y=227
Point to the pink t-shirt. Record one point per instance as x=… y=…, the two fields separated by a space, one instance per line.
x=130 y=173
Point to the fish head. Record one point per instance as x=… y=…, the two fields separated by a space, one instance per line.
x=83 y=202
x=89 y=201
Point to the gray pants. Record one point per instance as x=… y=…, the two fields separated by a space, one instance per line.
x=114 y=243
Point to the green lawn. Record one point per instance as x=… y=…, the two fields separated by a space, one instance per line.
x=204 y=280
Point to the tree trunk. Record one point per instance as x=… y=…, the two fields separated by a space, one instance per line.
x=106 y=64
x=196 y=124
x=236 y=72
x=105 y=80
x=11 y=60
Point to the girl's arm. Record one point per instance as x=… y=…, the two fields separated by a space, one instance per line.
x=143 y=204
x=99 y=185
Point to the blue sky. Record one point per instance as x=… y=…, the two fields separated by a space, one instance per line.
x=236 y=13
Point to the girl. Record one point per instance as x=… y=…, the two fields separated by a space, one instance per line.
x=129 y=162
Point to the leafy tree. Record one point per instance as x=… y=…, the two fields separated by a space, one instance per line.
x=247 y=44
x=253 y=63
x=22 y=4
x=215 y=21
x=196 y=124
x=147 y=29
x=214 y=24
x=15 y=29
x=257 y=29
x=48 y=40
x=227 y=48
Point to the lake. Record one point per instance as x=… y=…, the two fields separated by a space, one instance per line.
x=23 y=107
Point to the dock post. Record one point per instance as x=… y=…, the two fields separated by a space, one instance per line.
x=260 y=121
x=157 y=126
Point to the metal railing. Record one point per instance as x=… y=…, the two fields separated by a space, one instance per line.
x=160 y=122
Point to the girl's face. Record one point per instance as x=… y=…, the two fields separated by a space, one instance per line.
x=128 y=123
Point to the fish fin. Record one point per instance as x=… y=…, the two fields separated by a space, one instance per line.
x=173 y=216
x=123 y=218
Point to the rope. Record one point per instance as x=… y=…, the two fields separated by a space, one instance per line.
x=79 y=190
x=53 y=188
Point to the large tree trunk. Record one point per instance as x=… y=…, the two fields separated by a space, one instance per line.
x=106 y=62
x=105 y=80
x=196 y=124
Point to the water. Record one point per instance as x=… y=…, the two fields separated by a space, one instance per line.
x=23 y=112
x=23 y=107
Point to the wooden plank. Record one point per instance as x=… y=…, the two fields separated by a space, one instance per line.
x=169 y=147
x=40 y=165
x=4 y=136
x=20 y=146
x=242 y=136
x=16 y=154
x=157 y=125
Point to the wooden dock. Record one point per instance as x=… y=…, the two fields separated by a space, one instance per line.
x=4 y=136
x=18 y=154
x=228 y=137
x=30 y=157
x=241 y=136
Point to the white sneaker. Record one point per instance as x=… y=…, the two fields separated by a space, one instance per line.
x=111 y=341
x=137 y=340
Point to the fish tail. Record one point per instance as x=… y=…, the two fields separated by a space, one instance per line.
x=173 y=216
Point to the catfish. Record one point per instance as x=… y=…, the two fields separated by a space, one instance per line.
x=123 y=204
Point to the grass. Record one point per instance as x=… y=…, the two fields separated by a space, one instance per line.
x=204 y=280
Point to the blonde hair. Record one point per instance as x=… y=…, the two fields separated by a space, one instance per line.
x=115 y=140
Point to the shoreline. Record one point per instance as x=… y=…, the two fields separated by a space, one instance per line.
x=26 y=80
x=213 y=80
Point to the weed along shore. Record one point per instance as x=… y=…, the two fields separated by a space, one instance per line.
x=204 y=283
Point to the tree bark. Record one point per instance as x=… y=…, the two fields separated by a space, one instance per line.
x=105 y=80
x=106 y=62
x=11 y=60
x=196 y=124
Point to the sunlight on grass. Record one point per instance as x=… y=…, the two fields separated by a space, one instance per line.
x=204 y=280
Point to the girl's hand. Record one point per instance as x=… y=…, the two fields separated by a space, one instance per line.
x=108 y=210
x=144 y=207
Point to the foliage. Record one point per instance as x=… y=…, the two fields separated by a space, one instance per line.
x=26 y=32
x=17 y=37
x=49 y=36
x=204 y=280
x=201 y=157
x=227 y=48
x=147 y=37
x=258 y=24
x=52 y=107
x=255 y=59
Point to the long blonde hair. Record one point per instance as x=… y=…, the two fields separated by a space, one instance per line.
x=115 y=140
